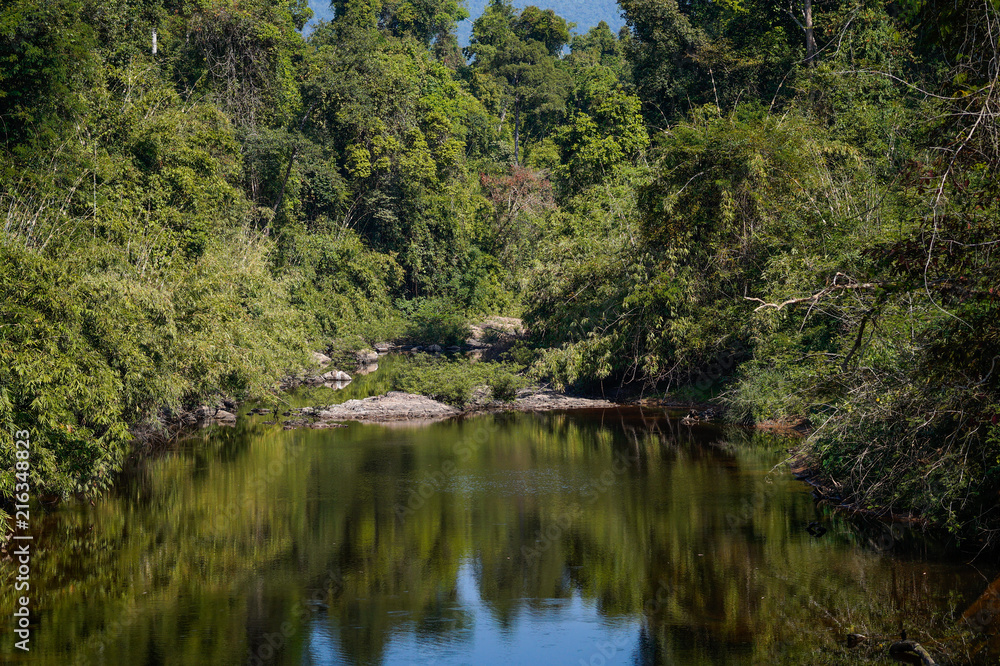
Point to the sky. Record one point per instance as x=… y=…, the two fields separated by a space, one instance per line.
x=585 y=13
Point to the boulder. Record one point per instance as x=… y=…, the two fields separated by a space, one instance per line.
x=434 y=348
x=393 y=406
x=366 y=369
x=321 y=359
x=366 y=356
x=382 y=347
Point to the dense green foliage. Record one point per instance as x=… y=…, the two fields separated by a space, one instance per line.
x=456 y=381
x=797 y=211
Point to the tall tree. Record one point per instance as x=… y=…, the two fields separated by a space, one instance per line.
x=521 y=52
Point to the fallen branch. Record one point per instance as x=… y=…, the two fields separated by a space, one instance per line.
x=835 y=285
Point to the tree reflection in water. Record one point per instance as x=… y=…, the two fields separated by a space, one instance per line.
x=614 y=535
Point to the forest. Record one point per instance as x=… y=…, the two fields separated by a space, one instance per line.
x=788 y=209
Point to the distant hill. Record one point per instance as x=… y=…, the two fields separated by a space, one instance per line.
x=585 y=14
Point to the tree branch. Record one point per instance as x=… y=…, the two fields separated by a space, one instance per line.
x=835 y=285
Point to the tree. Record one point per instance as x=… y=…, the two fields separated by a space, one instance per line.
x=426 y=20
x=520 y=53
x=662 y=49
x=49 y=64
x=245 y=52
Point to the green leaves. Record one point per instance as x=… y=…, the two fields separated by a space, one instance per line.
x=519 y=53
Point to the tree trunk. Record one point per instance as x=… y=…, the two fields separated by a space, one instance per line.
x=807 y=14
x=517 y=128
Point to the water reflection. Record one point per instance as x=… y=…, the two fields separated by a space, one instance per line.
x=613 y=536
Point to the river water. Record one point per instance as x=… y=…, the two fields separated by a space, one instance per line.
x=598 y=537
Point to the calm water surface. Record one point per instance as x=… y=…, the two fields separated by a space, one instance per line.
x=599 y=537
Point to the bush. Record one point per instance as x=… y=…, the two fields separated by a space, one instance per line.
x=454 y=381
x=89 y=352
x=504 y=383
x=437 y=321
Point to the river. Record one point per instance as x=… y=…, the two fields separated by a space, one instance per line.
x=600 y=537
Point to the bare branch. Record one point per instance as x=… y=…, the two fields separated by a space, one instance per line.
x=835 y=285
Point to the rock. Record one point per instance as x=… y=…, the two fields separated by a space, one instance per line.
x=475 y=344
x=506 y=325
x=534 y=401
x=321 y=359
x=382 y=347
x=366 y=356
x=204 y=415
x=337 y=385
x=434 y=348
x=366 y=369
x=418 y=348
x=454 y=348
x=393 y=406
x=334 y=376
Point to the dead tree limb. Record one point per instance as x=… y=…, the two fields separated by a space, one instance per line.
x=835 y=285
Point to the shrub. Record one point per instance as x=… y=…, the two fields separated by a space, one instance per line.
x=437 y=321
x=453 y=381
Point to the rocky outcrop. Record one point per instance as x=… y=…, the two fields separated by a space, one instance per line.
x=201 y=416
x=393 y=406
x=547 y=400
x=397 y=406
